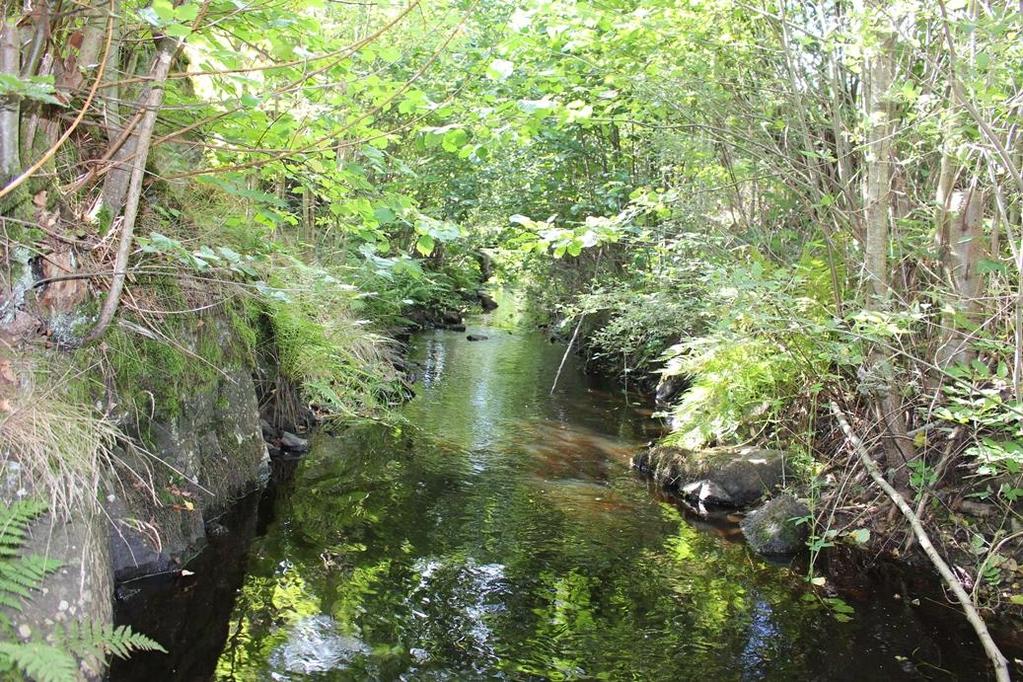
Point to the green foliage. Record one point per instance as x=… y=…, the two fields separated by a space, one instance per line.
x=769 y=345
x=323 y=346
x=38 y=88
x=39 y=662
x=637 y=326
x=20 y=574
x=98 y=640
x=54 y=659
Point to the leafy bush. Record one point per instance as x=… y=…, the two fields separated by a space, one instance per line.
x=771 y=342
x=342 y=366
x=637 y=327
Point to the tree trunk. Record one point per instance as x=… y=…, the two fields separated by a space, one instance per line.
x=149 y=104
x=877 y=194
x=10 y=107
x=879 y=74
x=962 y=252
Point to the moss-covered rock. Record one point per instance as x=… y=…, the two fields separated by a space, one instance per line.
x=737 y=477
x=773 y=528
x=210 y=450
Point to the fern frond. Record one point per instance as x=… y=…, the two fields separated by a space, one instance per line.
x=40 y=662
x=18 y=577
x=93 y=639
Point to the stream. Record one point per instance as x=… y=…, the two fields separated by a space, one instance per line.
x=499 y=533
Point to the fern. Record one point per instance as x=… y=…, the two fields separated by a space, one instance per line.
x=20 y=574
x=97 y=640
x=40 y=662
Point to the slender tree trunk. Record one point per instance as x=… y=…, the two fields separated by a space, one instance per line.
x=877 y=194
x=10 y=107
x=963 y=249
x=93 y=33
x=879 y=75
x=150 y=105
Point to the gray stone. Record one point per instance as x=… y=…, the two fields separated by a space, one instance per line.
x=740 y=475
x=708 y=492
x=772 y=529
x=293 y=443
x=668 y=388
x=210 y=452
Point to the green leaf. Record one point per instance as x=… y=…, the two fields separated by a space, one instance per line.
x=40 y=662
x=177 y=30
x=500 y=69
x=860 y=536
x=425 y=244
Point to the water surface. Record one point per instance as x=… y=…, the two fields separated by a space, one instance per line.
x=501 y=535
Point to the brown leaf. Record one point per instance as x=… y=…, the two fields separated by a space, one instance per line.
x=7 y=374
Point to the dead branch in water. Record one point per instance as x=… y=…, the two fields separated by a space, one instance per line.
x=998 y=660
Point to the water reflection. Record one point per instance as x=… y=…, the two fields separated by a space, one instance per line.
x=504 y=537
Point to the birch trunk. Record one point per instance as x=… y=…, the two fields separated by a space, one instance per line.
x=10 y=107
x=963 y=249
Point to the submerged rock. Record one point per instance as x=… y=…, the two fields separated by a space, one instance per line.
x=734 y=477
x=772 y=529
x=292 y=443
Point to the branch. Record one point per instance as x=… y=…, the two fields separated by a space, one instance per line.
x=16 y=182
x=998 y=660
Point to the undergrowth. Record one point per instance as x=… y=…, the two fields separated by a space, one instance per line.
x=769 y=346
x=341 y=365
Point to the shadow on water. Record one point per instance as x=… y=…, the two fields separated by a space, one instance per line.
x=501 y=535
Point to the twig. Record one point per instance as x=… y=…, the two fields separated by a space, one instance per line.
x=568 y=350
x=995 y=655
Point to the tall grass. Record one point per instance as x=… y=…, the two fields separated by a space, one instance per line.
x=323 y=345
x=53 y=444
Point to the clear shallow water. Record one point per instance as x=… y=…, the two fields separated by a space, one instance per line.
x=501 y=535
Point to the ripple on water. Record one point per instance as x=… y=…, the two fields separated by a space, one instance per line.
x=314 y=645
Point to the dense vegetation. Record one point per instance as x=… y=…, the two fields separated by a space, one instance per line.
x=804 y=209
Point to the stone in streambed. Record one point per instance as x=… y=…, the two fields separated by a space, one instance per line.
x=292 y=443
x=707 y=492
x=726 y=476
x=487 y=302
x=772 y=529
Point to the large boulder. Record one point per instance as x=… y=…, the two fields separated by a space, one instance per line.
x=487 y=302
x=773 y=530
x=726 y=476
